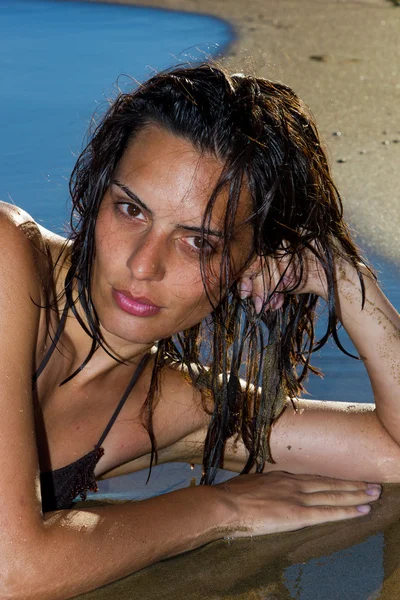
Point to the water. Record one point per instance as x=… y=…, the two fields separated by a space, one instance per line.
x=301 y=581
x=59 y=61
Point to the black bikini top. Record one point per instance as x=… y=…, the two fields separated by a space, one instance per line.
x=60 y=487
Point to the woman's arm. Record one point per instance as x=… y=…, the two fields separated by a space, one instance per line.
x=340 y=439
x=375 y=332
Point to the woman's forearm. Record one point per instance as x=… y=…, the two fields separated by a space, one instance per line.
x=375 y=332
x=83 y=549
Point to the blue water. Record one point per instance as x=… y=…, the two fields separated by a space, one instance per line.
x=59 y=61
x=323 y=577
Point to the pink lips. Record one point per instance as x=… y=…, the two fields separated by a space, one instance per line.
x=139 y=307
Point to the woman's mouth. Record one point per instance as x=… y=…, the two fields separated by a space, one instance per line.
x=138 y=306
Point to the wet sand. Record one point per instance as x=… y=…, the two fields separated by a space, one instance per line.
x=342 y=57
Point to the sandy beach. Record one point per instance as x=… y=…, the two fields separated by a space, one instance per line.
x=343 y=58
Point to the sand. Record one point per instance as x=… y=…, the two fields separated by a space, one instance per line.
x=343 y=58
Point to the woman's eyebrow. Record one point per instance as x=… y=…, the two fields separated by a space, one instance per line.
x=202 y=230
x=132 y=196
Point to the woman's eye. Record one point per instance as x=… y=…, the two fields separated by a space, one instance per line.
x=129 y=210
x=199 y=244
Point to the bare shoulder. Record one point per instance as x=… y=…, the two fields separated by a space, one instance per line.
x=179 y=424
x=19 y=231
x=22 y=269
x=19 y=244
x=177 y=389
x=13 y=213
x=16 y=223
x=33 y=251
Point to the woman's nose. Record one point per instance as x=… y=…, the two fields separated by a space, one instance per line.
x=147 y=259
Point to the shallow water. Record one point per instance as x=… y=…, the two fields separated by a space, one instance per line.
x=356 y=560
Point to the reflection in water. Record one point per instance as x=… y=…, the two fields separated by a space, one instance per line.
x=335 y=561
x=391 y=562
x=360 y=566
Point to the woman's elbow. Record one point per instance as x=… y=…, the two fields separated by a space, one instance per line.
x=23 y=571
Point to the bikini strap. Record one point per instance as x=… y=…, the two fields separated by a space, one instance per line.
x=53 y=344
x=136 y=375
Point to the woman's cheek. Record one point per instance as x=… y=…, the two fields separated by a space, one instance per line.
x=187 y=283
x=191 y=288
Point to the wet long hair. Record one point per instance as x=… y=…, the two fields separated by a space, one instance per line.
x=267 y=141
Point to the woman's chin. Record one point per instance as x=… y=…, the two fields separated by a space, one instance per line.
x=119 y=333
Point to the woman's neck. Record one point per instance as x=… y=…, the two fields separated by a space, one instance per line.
x=77 y=344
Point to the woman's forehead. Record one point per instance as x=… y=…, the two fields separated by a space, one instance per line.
x=171 y=176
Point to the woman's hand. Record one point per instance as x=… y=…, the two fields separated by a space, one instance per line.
x=263 y=282
x=268 y=279
x=278 y=501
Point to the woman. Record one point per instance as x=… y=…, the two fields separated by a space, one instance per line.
x=205 y=227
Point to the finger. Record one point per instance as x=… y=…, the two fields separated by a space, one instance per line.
x=277 y=276
x=245 y=287
x=330 y=498
x=317 y=515
x=264 y=292
x=317 y=483
x=275 y=303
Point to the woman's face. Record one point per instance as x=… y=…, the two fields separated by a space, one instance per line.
x=147 y=281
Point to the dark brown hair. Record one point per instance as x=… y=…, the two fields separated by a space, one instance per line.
x=268 y=141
